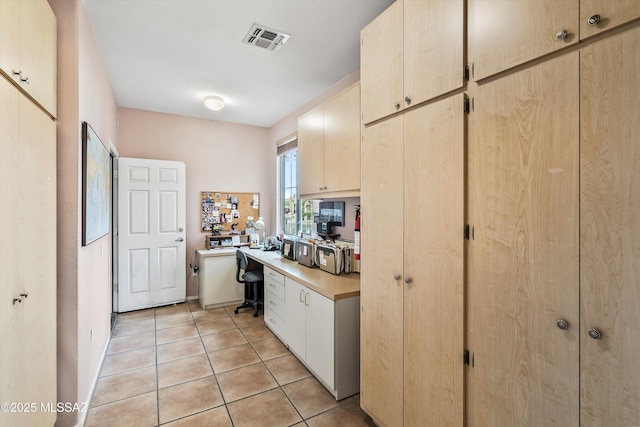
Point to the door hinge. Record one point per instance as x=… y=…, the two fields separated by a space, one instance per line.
x=465 y=72
x=469 y=232
x=115 y=287
x=468 y=358
x=115 y=174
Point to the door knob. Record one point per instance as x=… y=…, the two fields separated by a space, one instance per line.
x=595 y=334
x=561 y=34
x=407 y=100
x=562 y=324
x=397 y=105
x=396 y=277
x=407 y=280
x=180 y=239
x=594 y=20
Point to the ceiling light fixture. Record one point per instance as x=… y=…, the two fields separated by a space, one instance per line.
x=214 y=102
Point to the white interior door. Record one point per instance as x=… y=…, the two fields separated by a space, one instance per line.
x=151 y=236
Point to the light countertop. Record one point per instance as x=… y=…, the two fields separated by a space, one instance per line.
x=332 y=286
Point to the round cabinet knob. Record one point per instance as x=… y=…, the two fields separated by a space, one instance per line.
x=562 y=324
x=594 y=20
x=407 y=100
x=595 y=334
x=397 y=105
x=561 y=34
x=407 y=280
x=396 y=277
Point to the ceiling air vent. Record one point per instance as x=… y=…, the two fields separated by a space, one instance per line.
x=265 y=38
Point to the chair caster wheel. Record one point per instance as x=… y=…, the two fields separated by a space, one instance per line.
x=255 y=314
x=235 y=311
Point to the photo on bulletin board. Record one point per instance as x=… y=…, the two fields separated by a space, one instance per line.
x=221 y=210
x=96 y=186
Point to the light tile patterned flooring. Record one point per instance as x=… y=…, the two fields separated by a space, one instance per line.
x=183 y=366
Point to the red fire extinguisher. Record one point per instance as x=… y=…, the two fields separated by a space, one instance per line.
x=356 y=239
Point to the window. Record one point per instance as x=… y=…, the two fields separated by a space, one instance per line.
x=289 y=191
x=295 y=214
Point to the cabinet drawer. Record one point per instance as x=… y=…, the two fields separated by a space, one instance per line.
x=274 y=303
x=274 y=275
x=273 y=321
x=274 y=287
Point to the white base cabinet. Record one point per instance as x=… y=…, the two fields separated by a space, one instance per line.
x=217 y=279
x=324 y=334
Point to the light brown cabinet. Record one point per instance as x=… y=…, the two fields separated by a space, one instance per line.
x=27 y=280
x=411 y=53
x=610 y=231
x=553 y=297
x=329 y=147
x=525 y=272
x=412 y=294
x=28 y=49
x=506 y=33
x=597 y=16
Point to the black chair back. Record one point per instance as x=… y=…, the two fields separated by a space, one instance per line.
x=242 y=262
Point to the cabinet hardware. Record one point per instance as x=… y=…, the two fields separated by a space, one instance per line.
x=407 y=100
x=466 y=106
x=561 y=34
x=21 y=77
x=465 y=73
x=469 y=232
x=301 y=296
x=595 y=334
x=397 y=105
x=17 y=300
x=306 y=299
x=466 y=357
x=594 y=20
x=407 y=280
x=562 y=324
x=396 y=277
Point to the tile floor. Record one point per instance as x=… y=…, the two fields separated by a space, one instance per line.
x=183 y=366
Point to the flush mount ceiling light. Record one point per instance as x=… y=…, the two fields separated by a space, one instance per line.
x=214 y=102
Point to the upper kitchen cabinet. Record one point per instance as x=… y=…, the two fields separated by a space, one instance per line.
x=329 y=147
x=506 y=33
x=412 y=52
x=28 y=49
x=597 y=16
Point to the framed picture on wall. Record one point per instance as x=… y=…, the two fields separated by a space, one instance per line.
x=96 y=186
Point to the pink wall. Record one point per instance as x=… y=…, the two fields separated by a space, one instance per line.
x=84 y=273
x=219 y=156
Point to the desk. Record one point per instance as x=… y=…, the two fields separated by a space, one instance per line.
x=217 y=286
x=317 y=316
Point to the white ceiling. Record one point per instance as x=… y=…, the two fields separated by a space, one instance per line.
x=167 y=55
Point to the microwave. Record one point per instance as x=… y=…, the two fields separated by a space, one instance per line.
x=290 y=248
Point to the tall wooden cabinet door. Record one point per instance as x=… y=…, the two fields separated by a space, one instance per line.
x=381 y=293
x=11 y=313
x=433 y=53
x=10 y=35
x=38 y=157
x=610 y=231
x=38 y=38
x=381 y=68
x=597 y=16
x=311 y=151
x=433 y=264
x=525 y=272
x=342 y=141
x=507 y=33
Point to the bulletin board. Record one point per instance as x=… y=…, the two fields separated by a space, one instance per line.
x=220 y=210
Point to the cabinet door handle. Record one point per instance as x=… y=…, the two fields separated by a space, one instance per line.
x=407 y=280
x=562 y=324
x=407 y=100
x=397 y=105
x=595 y=334
x=561 y=34
x=306 y=298
x=22 y=78
x=396 y=277
x=301 y=296
x=593 y=20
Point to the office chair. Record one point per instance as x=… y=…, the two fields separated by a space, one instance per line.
x=253 y=283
